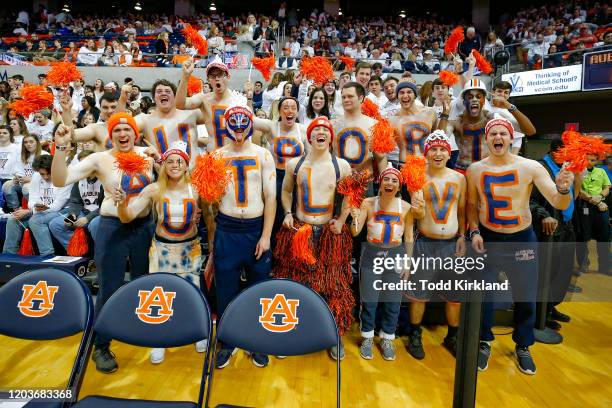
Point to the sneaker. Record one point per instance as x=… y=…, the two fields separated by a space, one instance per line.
x=484 y=352
x=553 y=324
x=388 y=350
x=157 y=355
x=574 y=289
x=365 y=351
x=243 y=276
x=524 y=361
x=105 y=360
x=333 y=352
x=260 y=360
x=558 y=316
x=201 y=346
x=415 y=345
x=223 y=357
x=281 y=357
x=450 y=342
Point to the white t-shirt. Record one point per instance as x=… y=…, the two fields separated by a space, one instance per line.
x=44 y=132
x=7 y=158
x=43 y=192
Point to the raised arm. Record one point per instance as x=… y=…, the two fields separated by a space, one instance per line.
x=181 y=99
x=265 y=126
x=61 y=175
x=557 y=193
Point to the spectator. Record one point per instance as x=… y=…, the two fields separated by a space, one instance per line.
x=22 y=172
x=375 y=93
x=264 y=37
x=216 y=44
x=257 y=95
x=89 y=106
x=45 y=203
x=108 y=57
x=136 y=53
x=19 y=130
x=161 y=50
x=585 y=36
x=42 y=126
x=553 y=59
x=43 y=54
x=286 y=61
x=471 y=42
x=360 y=53
x=492 y=45
x=124 y=56
x=181 y=57
x=82 y=209
x=592 y=217
x=430 y=65
x=317 y=105
x=88 y=54
x=536 y=51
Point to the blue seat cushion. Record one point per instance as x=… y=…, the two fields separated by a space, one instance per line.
x=109 y=402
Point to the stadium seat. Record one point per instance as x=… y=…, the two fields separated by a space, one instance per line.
x=49 y=304
x=156 y=310
x=278 y=317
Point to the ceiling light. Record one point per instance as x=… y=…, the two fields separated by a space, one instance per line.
x=212 y=6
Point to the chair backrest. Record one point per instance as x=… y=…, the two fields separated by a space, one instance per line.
x=48 y=304
x=278 y=317
x=45 y=304
x=156 y=310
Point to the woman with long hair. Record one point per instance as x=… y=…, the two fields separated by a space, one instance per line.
x=98 y=90
x=318 y=105
x=176 y=205
x=331 y=92
x=426 y=94
x=89 y=106
x=22 y=171
x=161 y=50
x=286 y=92
x=20 y=129
x=272 y=92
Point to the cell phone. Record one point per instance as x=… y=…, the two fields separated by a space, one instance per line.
x=68 y=220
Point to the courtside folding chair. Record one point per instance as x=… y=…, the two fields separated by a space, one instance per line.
x=49 y=304
x=156 y=310
x=278 y=317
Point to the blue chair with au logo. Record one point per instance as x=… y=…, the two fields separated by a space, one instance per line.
x=49 y=304
x=156 y=310
x=278 y=317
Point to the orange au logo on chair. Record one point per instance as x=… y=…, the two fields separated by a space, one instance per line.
x=40 y=293
x=155 y=306
x=279 y=306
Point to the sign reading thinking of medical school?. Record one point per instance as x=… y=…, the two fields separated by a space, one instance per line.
x=545 y=81
x=597 y=71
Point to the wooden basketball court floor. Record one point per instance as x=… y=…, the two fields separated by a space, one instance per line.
x=575 y=373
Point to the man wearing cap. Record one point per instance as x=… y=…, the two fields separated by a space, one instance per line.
x=95 y=132
x=413 y=122
x=245 y=219
x=353 y=131
x=469 y=127
x=500 y=224
x=313 y=179
x=114 y=240
x=214 y=104
x=167 y=124
x=441 y=233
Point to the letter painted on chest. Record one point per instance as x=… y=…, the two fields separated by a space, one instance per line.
x=162 y=141
x=388 y=222
x=306 y=194
x=496 y=203
x=174 y=225
x=240 y=167
x=415 y=134
x=286 y=148
x=133 y=185
x=219 y=129
x=352 y=145
x=439 y=206
x=477 y=137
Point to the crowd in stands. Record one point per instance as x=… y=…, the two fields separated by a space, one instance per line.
x=537 y=37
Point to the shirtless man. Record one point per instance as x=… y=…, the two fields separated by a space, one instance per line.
x=499 y=188
x=94 y=132
x=353 y=132
x=245 y=219
x=441 y=233
x=115 y=241
x=313 y=178
x=214 y=104
x=469 y=128
x=288 y=140
x=413 y=122
x=167 y=124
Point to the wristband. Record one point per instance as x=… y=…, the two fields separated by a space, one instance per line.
x=443 y=116
x=563 y=192
x=62 y=148
x=512 y=108
x=288 y=213
x=473 y=232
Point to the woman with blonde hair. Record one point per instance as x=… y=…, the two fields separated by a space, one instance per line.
x=177 y=206
x=272 y=92
x=216 y=43
x=426 y=94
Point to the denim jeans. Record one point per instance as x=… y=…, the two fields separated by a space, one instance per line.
x=63 y=234
x=39 y=226
x=11 y=194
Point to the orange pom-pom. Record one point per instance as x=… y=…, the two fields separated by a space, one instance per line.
x=318 y=69
x=355 y=186
x=198 y=42
x=576 y=148
x=78 y=246
x=413 y=172
x=452 y=42
x=448 y=78
x=26 y=248
x=264 y=65
x=382 y=137
x=194 y=85
x=33 y=99
x=369 y=108
x=211 y=176
x=131 y=163
x=348 y=62
x=301 y=247
x=63 y=73
x=481 y=63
